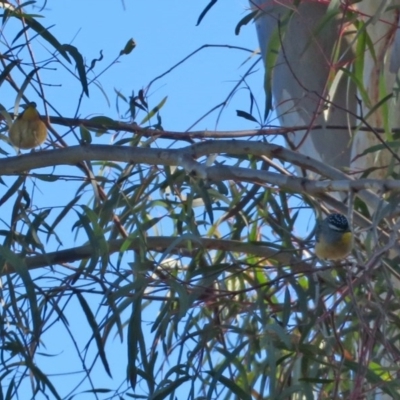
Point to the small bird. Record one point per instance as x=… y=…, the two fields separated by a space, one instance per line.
x=334 y=238
x=28 y=130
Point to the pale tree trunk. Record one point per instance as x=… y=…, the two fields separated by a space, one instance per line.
x=309 y=87
x=300 y=78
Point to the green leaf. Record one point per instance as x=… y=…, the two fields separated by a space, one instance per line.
x=97 y=237
x=378 y=147
x=22 y=89
x=45 y=177
x=229 y=358
x=21 y=269
x=6 y=71
x=41 y=30
x=97 y=83
x=10 y=390
x=245 y=115
x=389 y=387
x=154 y=111
x=91 y=319
x=287 y=310
x=13 y=189
x=381 y=103
x=271 y=57
x=80 y=66
x=20 y=33
x=166 y=390
x=141 y=97
x=39 y=375
x=64 y=211
x=222 y=188
x=39 y=221
x=205 y=11
x=135 y=336
x=130 y=45
x=85 y=223
x=102 y=122
x=208 y=204
x=245 y=20
x=86 y=137
x=126 y=290
x=100 y=390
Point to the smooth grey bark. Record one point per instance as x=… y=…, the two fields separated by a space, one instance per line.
x=306 y=43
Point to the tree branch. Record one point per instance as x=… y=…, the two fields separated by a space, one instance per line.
x=160 y=244
x=174 y=157
x=204 y=134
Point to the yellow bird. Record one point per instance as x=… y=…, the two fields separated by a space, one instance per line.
x=334 y=238
x=28 y=130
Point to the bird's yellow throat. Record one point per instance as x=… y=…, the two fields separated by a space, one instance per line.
x=30 y=114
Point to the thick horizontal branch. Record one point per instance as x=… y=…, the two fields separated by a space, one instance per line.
x=186 y=157
x=184 y=247
x=74 y=154
x=300 y=185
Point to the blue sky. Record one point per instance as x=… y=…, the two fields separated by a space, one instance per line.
x=165 y=33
